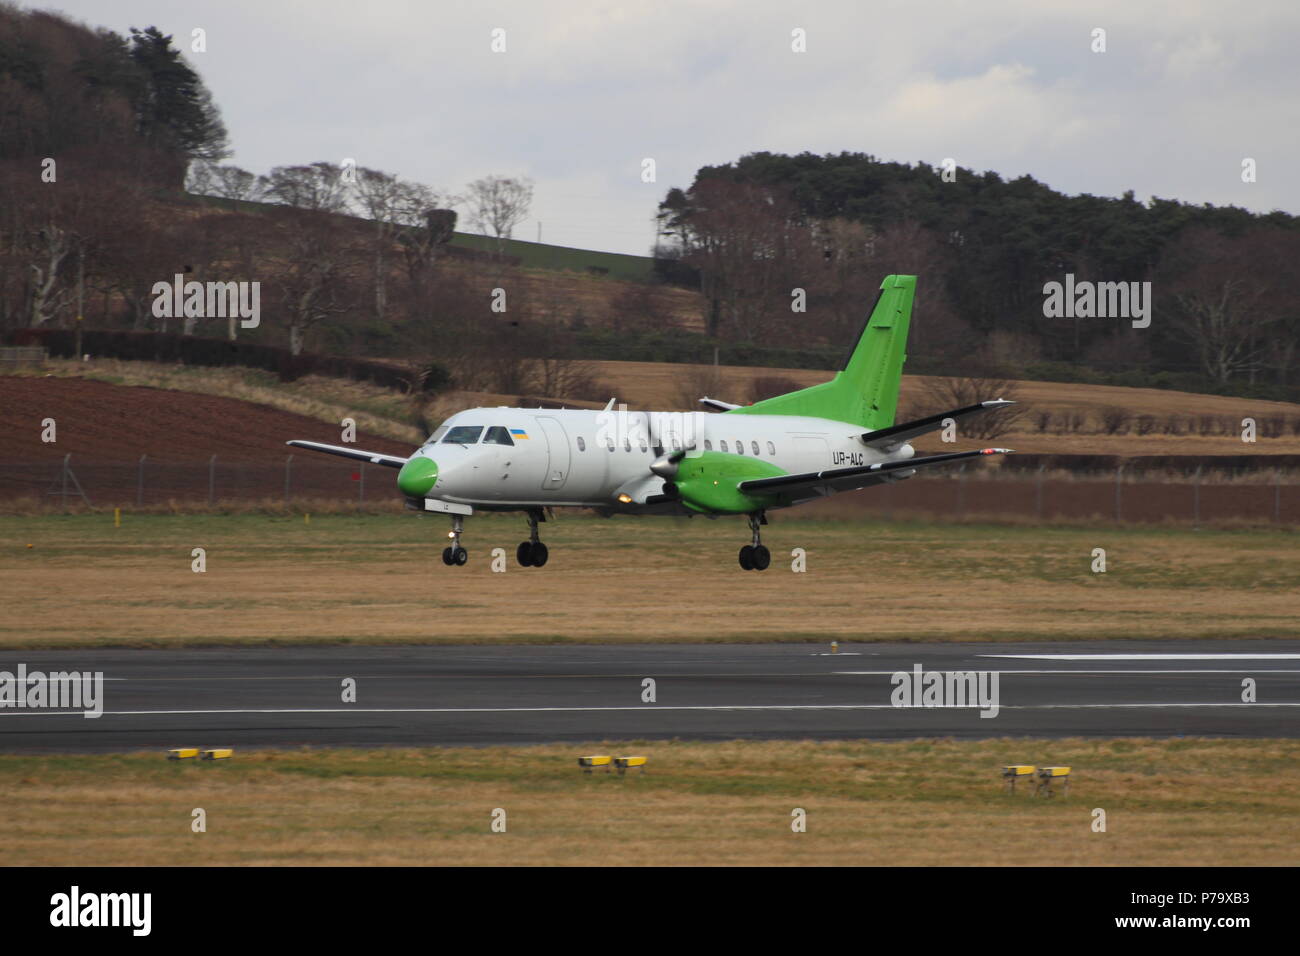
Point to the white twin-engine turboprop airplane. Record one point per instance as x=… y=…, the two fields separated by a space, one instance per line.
x=836 y=436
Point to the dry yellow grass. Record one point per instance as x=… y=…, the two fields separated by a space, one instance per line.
x=657 y=385
x=378 y=579
x=1173 y=803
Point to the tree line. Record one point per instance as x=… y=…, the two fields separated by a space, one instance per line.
x=1224 y=282
x=112 y=181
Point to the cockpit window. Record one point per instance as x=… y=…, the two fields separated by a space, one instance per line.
x=496 y=435
x=463 y=435
x=437 y=434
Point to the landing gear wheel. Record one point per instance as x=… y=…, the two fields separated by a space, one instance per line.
x=762 y=557
x=747 y=557
x=532 y=553
x=447 y=556
x=460 y=556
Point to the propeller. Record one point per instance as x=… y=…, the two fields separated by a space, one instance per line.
x=665 y=466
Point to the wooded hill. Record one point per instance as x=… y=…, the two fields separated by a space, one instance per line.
x=112 y=180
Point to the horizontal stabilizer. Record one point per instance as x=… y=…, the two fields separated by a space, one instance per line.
x=887 y=439
x=814 y=483
x=718 y=404
x=356 y=454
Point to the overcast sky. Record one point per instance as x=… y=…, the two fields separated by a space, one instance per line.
x=585 y=91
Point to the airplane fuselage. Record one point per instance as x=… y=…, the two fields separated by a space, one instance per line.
x=602 y=459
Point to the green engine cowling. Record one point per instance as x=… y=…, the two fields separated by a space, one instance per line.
x=707 y=482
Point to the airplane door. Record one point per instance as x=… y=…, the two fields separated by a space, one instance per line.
x=812 y=452
x=558 y=454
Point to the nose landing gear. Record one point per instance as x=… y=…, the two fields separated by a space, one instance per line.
x=532 y=553
x=455 y=554
x=755 y=557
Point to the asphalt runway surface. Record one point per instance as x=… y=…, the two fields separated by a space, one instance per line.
x=463 y=695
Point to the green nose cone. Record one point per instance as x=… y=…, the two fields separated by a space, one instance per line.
x=417 y=477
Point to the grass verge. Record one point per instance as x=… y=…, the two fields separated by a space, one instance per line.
x=1190 y=802
x=379 y=579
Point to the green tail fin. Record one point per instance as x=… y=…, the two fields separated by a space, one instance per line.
x=866 y=391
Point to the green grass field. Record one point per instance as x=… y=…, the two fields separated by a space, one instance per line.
x=379 y=579
x=1169 y=803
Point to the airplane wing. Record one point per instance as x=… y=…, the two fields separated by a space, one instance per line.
x=374 y=457
x=815 y=484
x=886 y=439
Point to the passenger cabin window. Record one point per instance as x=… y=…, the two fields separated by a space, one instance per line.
x=609 y=443
x=582 y=445
x=463 y=435
x=740 y=447
x=627 y=444
x=771 y=449
x=754 y=445
x=496 y=435
x=723 y=444
x=708 y=445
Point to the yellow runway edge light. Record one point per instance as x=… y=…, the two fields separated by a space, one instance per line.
x=1014 y=772
x=1048 y=774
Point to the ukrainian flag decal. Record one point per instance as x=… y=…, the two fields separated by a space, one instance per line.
x=518 y=433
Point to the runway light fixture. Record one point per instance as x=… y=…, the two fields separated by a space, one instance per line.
x=221 y=753
x=622 y=763
x=183 y=753
x=1015 y=772
x=1048 y=774
x=586 y=763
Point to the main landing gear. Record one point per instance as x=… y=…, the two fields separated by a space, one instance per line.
x=455 y=554
x=532 y=553
x=755 y=557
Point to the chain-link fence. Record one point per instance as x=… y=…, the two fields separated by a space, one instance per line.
x=958 y=492
x=145 y=481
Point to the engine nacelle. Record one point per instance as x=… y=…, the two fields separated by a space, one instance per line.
x=706 y=482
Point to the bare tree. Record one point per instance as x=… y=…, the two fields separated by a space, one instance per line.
x=1223 y=300
x=947 y=394
x=231 y=182
x=396 y=208
x=317 y=279
x=317 y=186
x=497 y=204
x=53 y=245
x=422 y=243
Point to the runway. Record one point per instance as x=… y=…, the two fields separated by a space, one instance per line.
x=479 y=695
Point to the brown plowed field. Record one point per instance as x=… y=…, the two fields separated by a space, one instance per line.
x=106 y=428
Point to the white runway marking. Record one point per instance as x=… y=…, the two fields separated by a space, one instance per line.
x=644 y=708
x=1082 y=673
x=1149 y=657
